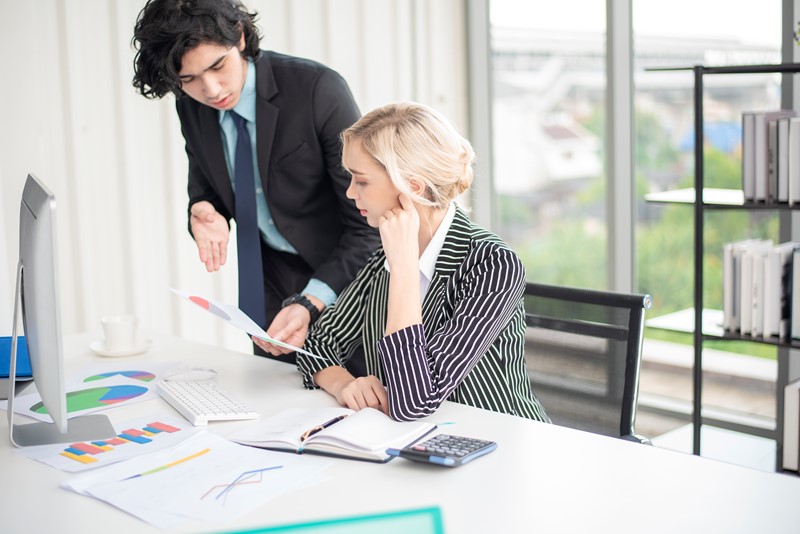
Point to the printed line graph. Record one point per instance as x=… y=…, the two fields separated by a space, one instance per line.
x=171 y=464
x=255 y=476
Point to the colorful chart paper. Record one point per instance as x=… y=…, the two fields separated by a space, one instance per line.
x=135 y=437
x=86 y=399
x=125 y=382
x=144 y=376
x=236 y=317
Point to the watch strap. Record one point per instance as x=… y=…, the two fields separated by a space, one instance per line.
x=299 y=298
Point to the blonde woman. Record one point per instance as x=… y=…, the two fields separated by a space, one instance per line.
x=437 y=312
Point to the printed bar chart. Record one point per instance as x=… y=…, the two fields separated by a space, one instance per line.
x=85 y=452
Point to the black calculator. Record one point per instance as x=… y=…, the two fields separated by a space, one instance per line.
x=445 y=449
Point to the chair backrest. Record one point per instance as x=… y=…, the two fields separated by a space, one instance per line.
x=583 y=348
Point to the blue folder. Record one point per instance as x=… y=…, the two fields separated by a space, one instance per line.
x=23 y=363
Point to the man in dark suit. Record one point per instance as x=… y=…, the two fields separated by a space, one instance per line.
x=280 y=117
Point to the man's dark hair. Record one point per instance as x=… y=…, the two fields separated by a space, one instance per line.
x=166 y=29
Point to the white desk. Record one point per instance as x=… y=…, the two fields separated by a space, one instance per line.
x=542 y=478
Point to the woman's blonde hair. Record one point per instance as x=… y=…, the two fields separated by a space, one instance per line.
x=414 y=141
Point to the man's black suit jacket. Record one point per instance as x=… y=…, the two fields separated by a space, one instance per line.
x=302 y=107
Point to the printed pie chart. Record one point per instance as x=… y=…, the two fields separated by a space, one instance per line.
x=144 y=376
x=200 y=301
x=96 y=398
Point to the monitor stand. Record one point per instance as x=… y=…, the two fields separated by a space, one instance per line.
x=83 y=428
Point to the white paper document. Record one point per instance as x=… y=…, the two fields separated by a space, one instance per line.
x=236 y=317
x=206 y=478
x=135 y=437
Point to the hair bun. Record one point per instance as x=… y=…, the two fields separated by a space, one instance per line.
x=467 y=158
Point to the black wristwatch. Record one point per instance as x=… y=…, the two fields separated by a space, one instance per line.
x=299 y=298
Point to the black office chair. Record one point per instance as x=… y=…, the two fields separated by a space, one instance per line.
x=583 y=348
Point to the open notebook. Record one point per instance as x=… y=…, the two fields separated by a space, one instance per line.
x=340 y=432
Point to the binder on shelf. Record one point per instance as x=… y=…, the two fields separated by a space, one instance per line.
x=772 y=160
x=764 y=151
x=795 y=313
x=794 y=160
x=791 y=426
x=782 y=160
x=778 y=289
x=746 y=294
x=752 y=254
x=732 y=276
x=757 y=318
x=727 y=286
x=748 y=156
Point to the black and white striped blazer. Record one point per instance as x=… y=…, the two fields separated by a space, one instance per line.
x=470 y=347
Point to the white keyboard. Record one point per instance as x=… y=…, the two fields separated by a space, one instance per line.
x=203 y=401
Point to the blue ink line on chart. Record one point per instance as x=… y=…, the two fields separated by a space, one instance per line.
x=245 y=475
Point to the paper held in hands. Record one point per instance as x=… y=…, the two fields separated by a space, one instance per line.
x=340 y=432
x=237 y=318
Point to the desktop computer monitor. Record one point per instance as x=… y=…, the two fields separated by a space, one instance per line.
x=37 y=301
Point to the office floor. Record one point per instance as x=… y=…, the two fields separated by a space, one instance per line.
x=721 y=444
x=742 y=387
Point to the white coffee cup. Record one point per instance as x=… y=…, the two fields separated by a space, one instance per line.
x=120 y=331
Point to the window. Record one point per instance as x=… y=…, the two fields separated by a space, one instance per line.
x=548 y=69
x=548 y=66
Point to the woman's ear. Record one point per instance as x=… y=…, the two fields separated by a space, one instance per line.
x=417 y=187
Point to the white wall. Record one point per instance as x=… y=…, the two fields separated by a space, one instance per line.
x=115 y=160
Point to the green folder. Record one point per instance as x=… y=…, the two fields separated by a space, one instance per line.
x=419 y=521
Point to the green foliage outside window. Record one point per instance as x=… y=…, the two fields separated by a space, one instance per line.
x=571 y=250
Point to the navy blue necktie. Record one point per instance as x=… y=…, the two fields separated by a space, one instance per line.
x=251 y=273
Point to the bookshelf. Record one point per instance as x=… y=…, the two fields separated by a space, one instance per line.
x=721 y=199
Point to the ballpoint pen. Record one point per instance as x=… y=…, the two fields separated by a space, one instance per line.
x=310 y=432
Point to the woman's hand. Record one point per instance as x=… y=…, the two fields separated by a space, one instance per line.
x=364 y=392
x=354 y=393
x=399 y=229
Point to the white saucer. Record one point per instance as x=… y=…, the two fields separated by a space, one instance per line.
x=99 y=347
